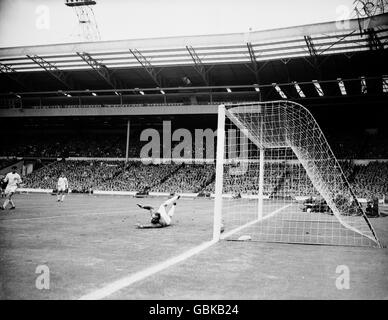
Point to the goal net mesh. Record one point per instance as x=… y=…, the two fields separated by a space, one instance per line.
x=282 y=183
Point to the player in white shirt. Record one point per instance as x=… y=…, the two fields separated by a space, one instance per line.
x=163 y=216
x=13 y=181
x=62 y=186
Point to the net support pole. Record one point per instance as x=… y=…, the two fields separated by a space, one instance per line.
x=219 y=173
x=127 y=145
x=261 y=169
x=261 y=185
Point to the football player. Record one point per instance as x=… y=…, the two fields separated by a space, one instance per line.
x=62 y=186
x=13 y=182
x=162 y=217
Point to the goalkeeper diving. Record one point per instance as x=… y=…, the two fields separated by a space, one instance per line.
x=163 y=216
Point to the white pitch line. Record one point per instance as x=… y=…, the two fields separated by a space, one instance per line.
x=229 y=233
x=129 y=280
x=138 y=276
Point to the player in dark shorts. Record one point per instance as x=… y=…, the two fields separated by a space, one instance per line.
x=3 y=186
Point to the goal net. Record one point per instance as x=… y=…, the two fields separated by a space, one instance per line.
x=277 y=180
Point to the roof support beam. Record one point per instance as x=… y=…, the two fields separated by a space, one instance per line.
x=147 y=66
x=373 y=40
x=314 y=55
x=198 y=65
x=310 y=46
x=12 y=74
x=101 y=69
x=255 y=66
x=53 y=70
x=4 y=68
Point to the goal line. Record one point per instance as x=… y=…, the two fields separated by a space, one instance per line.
x=231 y=232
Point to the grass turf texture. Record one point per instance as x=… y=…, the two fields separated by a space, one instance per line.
x=91 y=241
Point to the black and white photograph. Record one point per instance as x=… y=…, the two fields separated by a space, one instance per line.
x=208 y=152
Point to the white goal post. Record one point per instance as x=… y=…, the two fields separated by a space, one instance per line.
x=278 y=180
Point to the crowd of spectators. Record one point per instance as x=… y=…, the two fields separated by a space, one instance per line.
x=7 y=162
x=83 y=176
x=107 y=146
x=345 y=145
x=359 y=144
x=370 y=180
x=279 y=181
x=376 y=146
x=136 y=176
x=367 y=181
x=190 y=178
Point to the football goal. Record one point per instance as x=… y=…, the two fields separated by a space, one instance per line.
x=277 y=180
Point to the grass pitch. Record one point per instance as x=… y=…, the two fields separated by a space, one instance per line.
x=89 y=242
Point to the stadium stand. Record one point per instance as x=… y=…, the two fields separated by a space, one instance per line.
x=139 y=177
x=82 y=175
x=368 y=180
x=60 y=145
x=191 y=178
x=345 y=144
x=7 y=162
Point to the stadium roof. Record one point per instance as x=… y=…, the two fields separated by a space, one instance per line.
x=345 y=57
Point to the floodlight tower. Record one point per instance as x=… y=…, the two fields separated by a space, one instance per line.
x=88 y=28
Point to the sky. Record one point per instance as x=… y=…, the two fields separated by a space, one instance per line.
x=34 y=22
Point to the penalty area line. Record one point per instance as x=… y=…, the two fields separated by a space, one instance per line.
x=138 y=276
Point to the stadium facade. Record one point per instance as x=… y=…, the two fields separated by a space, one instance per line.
x=334 y=63
x=336 y=69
